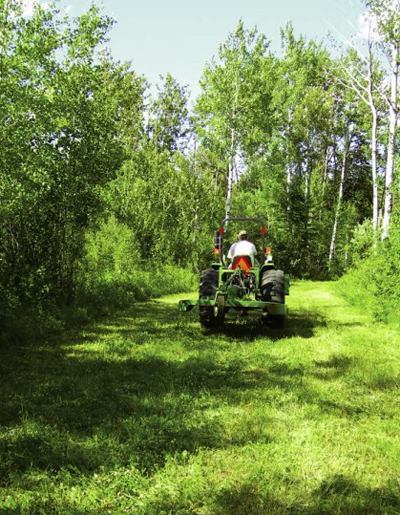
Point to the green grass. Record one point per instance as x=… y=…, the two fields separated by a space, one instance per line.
x=145 y=413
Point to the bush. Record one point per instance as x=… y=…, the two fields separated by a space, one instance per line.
x=112 y=275
x=374 y=281
x=361 y=244
x=115 y=275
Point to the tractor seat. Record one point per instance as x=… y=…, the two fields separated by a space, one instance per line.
x=244 y=262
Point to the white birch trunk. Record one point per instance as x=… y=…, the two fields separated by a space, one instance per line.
x=232 y=154
x=307 y=198
x=289 y=165
x=365 y=93
x=374 y=129
x=375 y=209
x=196 y=207
x=307 y=182
x=231 y=168
x=324 y=180
x=391 y=143
x=339 y=202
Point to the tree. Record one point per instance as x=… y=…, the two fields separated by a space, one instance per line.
x=230 y=97
x=168 y=125
x=362 y=76
x=61 y=141
x=388 y=26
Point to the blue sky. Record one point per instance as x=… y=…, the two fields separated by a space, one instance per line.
x=180 y=36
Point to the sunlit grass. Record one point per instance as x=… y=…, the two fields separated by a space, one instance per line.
x=146 y=413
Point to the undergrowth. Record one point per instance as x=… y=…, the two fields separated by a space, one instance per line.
x=374 y=280
x=97 y=296
x=111 y=275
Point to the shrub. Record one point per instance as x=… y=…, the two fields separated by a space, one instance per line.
x=374 y=280
x=115 y=275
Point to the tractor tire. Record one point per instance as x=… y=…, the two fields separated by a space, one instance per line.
x=273 y=290
x=207 y=289
x=273 y=286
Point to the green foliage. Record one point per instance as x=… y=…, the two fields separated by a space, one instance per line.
x=102 y=294
x=232 y=112
x=361 y=245
x=114 y=273
x=374 y=281
x=61 y=108
x=166 y=202
x=168 y=126
x=106 y=191
x=111 y=251
x=282 y=125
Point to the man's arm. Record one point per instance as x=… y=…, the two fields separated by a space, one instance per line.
x=231 y=250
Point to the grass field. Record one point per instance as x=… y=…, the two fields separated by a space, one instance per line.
x=144 y=413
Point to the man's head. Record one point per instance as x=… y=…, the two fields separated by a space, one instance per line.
x=242 y=235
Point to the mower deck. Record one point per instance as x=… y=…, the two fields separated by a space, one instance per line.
x=273 y=308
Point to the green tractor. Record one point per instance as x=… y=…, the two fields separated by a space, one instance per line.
x=243 y=285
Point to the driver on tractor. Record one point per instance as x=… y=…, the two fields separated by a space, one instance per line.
x=243 y=247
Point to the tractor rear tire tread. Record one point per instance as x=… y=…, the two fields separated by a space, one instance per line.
x=273 y=286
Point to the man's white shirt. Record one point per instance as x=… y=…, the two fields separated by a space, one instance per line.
x=242 y=248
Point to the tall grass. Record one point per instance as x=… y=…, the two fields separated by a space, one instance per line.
x=121 y=290
x=115 y=272
x=112 y=275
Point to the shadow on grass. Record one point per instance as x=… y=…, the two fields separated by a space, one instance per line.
x=152 y=319
x=343 y=492
x=332 y=368
x=341 y=408
x=82 y=401
x=337 y=494
x=86 y=413
x=297 y=325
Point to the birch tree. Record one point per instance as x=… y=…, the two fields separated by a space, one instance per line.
x=387 y=16
x=346 y=150
x=228 y=98
x=359 y=74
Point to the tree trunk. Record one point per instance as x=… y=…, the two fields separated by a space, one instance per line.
x=339 y=202
x=374 y=171
x=232 y=153
x=324 y=180
x=231 y=168
x=307 y=199
x=197 y=198
x=374 y=129
x=391 y=143
x=365 y=93
x=289 y=164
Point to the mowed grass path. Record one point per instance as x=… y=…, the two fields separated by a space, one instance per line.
x=144 y=413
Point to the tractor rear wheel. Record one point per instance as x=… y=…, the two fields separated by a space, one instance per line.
x=273 y=290
x=207 y=290
x=273 y=286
